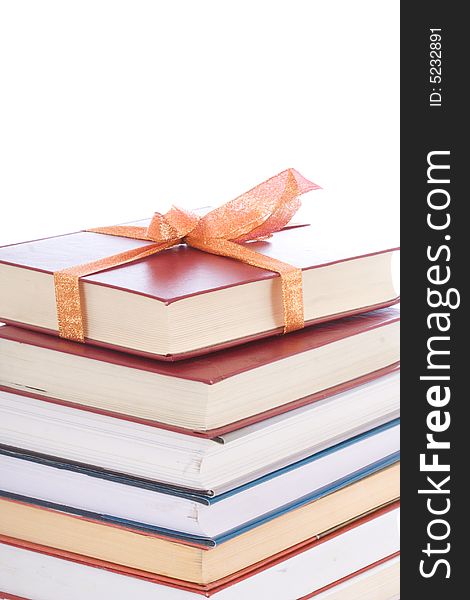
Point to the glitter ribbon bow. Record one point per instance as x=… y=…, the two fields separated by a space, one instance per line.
x=255 y=215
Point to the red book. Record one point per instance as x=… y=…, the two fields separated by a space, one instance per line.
x=183 y=301
x=206 y=395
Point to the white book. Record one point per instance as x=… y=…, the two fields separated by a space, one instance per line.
x=85 y=491
x=211 y=465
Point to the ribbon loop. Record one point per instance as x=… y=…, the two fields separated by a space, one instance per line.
x=255 y=215
x=174 y=225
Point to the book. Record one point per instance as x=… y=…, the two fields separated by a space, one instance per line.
x=377 y=582
x=209 y=465
x=183 y=301
x=153 y=553
x=208 y=395
x=185 y=515
x=322 y=567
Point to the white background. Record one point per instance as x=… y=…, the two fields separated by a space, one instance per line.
x=112 y=110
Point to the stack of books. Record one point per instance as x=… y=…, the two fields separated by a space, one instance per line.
x=187 y=449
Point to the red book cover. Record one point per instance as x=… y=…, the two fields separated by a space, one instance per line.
x=218 y=366
x=178 y=273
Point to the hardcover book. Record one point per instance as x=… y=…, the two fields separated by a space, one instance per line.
x=208 y=465
x=182 y=514
x=207 y=395
x=183 y=301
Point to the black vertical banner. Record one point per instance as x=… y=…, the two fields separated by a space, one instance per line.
x=434 y=258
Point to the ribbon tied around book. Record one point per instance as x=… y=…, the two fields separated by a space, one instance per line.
x=253 y=216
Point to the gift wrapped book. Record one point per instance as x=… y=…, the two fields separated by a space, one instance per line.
x=200 y=405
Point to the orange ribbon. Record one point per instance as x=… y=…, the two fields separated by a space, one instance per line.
x=255 y=215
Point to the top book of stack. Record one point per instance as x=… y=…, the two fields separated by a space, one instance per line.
x=182 y=302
